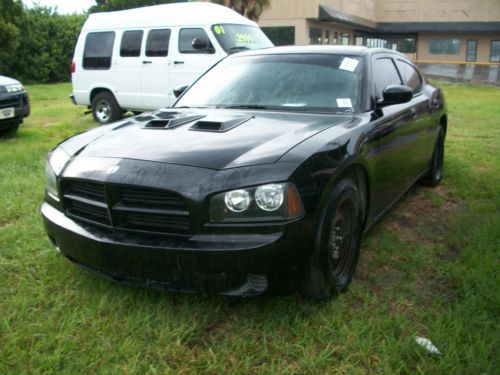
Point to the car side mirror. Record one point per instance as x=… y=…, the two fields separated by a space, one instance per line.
x=179 y=90
x=201 y=44
x=396 y=94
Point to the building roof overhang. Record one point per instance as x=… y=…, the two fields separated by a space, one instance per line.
x=328 y=14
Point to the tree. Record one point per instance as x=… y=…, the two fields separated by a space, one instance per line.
x=10 y=36
x=251 y=9
x=110 y=5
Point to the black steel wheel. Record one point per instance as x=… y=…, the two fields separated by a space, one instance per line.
x=333 y=263
x=105 y=109
x=435 y=174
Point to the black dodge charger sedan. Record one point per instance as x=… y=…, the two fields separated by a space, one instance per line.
x=264 y=175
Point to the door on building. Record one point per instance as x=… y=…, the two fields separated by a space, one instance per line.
x=471 y=53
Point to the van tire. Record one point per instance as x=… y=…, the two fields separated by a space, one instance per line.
x=105 y=109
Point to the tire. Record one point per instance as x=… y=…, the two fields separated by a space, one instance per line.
x=105 y=109
x=332 y=265
x=435 y=174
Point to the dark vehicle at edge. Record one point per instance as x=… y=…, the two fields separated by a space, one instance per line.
x=14 y=104
x=263 y=176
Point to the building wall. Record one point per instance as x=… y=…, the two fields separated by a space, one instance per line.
x=483 y=46
x=391 y=10
x=303 y=14
x=290 y=9
x=437 y=10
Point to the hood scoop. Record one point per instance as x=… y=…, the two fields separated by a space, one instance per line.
x=219 y=123
x=169 y=120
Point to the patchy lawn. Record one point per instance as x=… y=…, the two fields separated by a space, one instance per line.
x=430 y=268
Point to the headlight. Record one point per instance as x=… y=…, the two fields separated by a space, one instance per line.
x=270 y=202
x=270 y=197
x=15 y=88
x=237 y=200
x=51 y=180
x=55 y=163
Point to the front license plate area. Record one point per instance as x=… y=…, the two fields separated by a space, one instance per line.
x=7 y=113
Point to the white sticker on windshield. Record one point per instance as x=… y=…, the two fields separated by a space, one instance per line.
x=349 y=64
x=344 y=103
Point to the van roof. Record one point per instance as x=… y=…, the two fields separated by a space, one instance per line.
x=179 y=14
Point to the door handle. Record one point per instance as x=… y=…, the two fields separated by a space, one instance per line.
x=178 y=62
x=147 y=62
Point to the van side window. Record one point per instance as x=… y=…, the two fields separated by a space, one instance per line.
x=410 y=76
x=186 y=37
x=131 y=43
x=98 y=50
x=157 y=43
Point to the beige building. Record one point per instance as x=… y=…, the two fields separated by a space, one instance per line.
x=444 y=31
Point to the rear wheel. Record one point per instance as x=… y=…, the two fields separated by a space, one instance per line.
x=435 y=174
x=331 y=268
x=105 y=109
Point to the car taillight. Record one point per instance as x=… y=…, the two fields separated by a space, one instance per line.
x=73 y=67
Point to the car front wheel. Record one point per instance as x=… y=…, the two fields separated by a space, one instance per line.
x=333 y=263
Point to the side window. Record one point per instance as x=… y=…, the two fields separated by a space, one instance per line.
x=157 y=43
x=131 y=43
x=410 y=76
x=384 y=74
x=98 y=50
x=186 y=37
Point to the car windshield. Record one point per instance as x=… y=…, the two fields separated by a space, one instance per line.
x=291 y=82
x=235 y=38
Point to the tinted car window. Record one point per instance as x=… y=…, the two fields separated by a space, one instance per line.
x=98 y=50
x=157 y=43
x=410 y=76
x=384 y=74
x=131 y=43
x=186 y=37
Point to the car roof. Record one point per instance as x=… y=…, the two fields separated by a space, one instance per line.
x=179 y=14
x=321 y=49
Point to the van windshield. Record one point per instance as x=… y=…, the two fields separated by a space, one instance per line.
x=235 y=38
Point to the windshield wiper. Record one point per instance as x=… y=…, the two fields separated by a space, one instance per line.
x=239 y=48
x=244 y=106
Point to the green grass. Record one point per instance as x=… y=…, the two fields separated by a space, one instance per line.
x=431 y=268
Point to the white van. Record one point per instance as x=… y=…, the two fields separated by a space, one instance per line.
x=133 y=59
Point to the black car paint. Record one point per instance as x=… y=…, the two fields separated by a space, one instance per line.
x=386 y=148
x=20 y=102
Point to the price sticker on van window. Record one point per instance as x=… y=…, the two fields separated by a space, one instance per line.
x=349 y=64
x=219 y=30
x=244 y=38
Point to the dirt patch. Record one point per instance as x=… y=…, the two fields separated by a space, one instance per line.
x=416 y=228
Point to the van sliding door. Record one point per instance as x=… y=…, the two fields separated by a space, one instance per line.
x=155 y=79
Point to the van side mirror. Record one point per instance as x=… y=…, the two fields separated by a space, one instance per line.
x=395 y=94
x=179 y=90
x=200 y=44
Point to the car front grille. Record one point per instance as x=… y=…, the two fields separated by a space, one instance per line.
x=127 y=208
x=9 y=103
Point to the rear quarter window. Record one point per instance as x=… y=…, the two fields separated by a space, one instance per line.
x=98 y=50
x=410 y=75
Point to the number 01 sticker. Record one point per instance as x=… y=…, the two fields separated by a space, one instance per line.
x=219 y=30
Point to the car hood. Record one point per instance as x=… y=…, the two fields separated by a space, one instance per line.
x=216 y=139
x=7 y=81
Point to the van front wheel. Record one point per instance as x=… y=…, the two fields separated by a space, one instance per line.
x=105 y=109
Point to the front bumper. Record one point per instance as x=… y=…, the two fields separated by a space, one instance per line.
x=224 y=264
x=21 y=104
